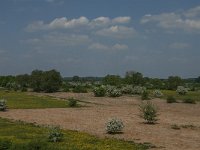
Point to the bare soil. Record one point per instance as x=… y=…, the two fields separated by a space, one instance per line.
x=98 y=111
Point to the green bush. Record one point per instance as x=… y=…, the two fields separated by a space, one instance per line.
x=5 y=144
x=3 y=106
x=145 y=95
x=138 y=90
x=114 y=126
x=55 y=134
x=79 y=89
x=189 y=100
x=99 y=91
x=148 y=112
x=128 y=89
x=72 y=102
x=171 y=99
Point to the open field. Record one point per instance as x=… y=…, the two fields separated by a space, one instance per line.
x=92 y=118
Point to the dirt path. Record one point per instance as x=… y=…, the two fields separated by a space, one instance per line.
x=92 y=120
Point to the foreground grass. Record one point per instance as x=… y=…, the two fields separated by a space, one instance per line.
x=20 y=100
x=28 y=136
x=194 y=95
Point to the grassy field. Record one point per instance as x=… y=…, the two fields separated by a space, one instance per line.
x=195 y=95
x=20 y=100
x=27 y=136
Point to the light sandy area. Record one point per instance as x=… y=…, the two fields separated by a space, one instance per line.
x=98 y=111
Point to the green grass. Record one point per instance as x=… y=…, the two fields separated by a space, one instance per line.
x=21 y=133
x=194 y=95
x=20 y=100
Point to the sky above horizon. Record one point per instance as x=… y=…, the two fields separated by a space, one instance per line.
x=158 y=38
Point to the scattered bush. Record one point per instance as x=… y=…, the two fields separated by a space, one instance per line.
x=99 y=91
x=114 y=126
x=189 y=100
x=145 y=95
x=72 y=102
x=181 y=90
x=148 y=112
x=138 y=90
x=3 y=106
x=55 y=134
x=171 y=99
x=175 y=127
x=128 y=89
x=157 y=93
x=79 y=89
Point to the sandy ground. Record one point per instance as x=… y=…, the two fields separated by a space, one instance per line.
x=92 y=119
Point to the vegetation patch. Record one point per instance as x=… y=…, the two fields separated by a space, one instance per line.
x=20 y=100
x=23 y=136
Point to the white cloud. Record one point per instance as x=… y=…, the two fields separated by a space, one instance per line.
x=122 y=19
x=117 y=32
x=177 y=45
x=65 y=23
x=99 y=46
x=187 y=20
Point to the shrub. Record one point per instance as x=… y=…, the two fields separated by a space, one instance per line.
x=5 y=144
x=148 y=112
x=114 y=126
x=145 y=95
x=3 y=106
x=138 y=90
x=112 y=91
x=36 y=145
x=55 y=134
x=72 y=102
x=99 y=91
x=181 y=90
x=157 y=93
x=175 y=127
x=128 y=89
x=189 y=100
x=171 y=99
x=79 y=89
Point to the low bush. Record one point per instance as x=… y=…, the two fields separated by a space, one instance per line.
x=138 y=90
x=157 y=93
x=72 y=102
x=145 y=95
x=181 y=90
x=113 y=91
x=3 y=106
x=148 y=112
x=128 y=89
x=55 y=134
x=114 y=126
x=79 y=89
x=189 y=100
x=171 y=99
x=99 y=91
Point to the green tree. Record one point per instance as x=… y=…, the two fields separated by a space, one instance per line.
x=36 y=80
x=51 y=81
x=114 y=80
x=174 y=82
x=135 y=78
x=23 y=80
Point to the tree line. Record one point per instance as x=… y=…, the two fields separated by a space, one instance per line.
x=52 y=81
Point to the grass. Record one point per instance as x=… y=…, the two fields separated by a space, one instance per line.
x=20 y=133
x=194 y=95
x=20 y=100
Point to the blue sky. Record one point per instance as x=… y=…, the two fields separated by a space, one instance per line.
x=158 y=38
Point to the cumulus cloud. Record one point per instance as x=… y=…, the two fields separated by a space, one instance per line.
x=65 y=23
x=99 y=46
x=117 y=32
x=187 y=20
